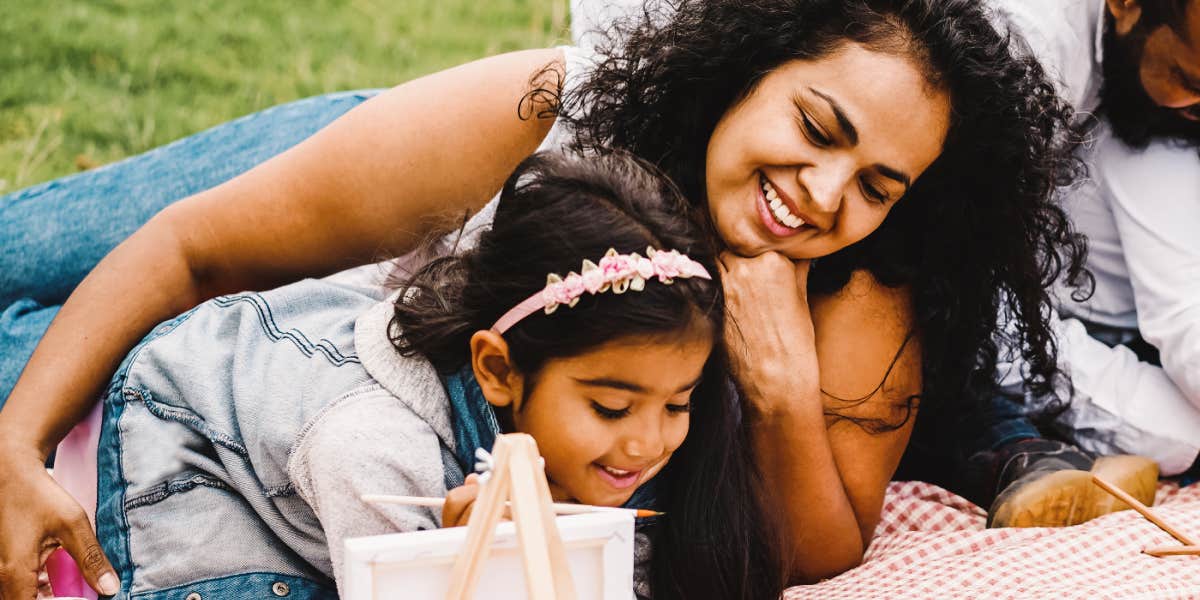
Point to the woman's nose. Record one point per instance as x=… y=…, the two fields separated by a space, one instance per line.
x=825 y=185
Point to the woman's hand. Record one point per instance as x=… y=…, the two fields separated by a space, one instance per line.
x=769 y=331
x=459 y=502
x=36 y=517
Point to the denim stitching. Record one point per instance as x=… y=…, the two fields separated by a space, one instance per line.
x=188 y=418
x=167 y=489
x=287 y=489
x=267 y=319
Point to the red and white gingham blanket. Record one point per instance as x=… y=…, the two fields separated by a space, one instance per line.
x=932 y=544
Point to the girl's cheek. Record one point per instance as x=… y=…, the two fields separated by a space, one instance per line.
x=678 y=433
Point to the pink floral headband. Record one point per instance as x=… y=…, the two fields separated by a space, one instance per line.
x=616 y=272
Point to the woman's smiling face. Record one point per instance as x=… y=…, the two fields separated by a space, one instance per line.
x=816 y=155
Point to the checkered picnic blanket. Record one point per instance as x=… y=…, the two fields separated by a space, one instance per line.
x=932 y=544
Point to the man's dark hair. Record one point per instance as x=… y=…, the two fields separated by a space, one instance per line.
x=1135 y=118
x=1172 y=13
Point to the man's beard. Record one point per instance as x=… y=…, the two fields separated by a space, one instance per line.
x=1135 y=118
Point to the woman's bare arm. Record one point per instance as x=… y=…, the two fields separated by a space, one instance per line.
x=859 y=332
x=373 y=183
x=825 y=478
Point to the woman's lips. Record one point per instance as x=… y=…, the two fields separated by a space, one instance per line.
x=768 y=220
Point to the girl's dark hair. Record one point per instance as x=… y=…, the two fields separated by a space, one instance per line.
x=555 y=211
x=977 y=231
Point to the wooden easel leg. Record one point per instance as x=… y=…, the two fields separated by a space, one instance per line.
x=481 y=527
x=541 y=546
x=516 y=474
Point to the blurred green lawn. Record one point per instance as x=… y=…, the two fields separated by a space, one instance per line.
x=87 y=82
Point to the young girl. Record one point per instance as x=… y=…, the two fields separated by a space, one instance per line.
x=239 y=437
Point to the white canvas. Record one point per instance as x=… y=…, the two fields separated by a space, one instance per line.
x=417 y=565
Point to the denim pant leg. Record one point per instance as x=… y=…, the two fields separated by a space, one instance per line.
x=960 y=453
x=52 y=234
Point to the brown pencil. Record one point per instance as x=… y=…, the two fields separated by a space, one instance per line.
x=562 y=508
x=1173 y=551
x=1142 y=509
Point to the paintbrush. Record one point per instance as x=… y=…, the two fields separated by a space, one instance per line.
x=562 y=508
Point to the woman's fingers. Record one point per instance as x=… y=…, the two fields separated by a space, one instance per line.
x=36 y=516
x=79 y=540
x=769 y=331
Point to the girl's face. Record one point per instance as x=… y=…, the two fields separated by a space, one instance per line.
x=607 y=421
x=819 y=152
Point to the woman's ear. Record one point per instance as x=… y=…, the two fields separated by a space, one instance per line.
x=1126 y=14
x=500 y=381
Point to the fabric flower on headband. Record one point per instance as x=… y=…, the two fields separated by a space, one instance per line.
x=616 y=272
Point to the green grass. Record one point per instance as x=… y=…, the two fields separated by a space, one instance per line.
x=88 y=82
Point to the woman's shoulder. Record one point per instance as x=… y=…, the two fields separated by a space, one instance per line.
x=865 y=296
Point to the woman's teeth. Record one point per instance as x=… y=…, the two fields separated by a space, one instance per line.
x=778 y=208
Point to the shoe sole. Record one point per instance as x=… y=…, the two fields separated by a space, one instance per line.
x=1069 y=497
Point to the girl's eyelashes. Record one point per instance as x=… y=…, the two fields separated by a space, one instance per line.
x=679 y=408
x=614 y=414
x=609 y=413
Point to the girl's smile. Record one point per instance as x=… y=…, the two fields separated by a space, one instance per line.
x=619 y=479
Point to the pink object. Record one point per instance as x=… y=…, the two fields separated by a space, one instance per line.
x=616 y=272
x=932 y=544
x=75 y=470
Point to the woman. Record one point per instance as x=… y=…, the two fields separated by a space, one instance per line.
x=797 y=125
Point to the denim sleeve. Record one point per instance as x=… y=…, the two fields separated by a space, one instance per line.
x=367 y=442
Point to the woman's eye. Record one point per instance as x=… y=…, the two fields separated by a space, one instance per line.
x=609 y=413
x=812 y=132
x=679 y=408
x=873 y=192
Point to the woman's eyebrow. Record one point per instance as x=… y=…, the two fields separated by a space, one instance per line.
x=840 y=115
x=891 y=173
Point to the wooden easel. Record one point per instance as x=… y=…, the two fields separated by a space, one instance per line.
x=516 y=477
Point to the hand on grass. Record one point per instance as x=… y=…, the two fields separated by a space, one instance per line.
x=37 y=516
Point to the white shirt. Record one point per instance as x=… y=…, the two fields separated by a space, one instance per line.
x=1140 y=211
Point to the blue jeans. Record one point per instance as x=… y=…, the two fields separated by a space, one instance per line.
x=53 y=234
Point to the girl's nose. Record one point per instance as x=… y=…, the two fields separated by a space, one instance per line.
x=645 y=441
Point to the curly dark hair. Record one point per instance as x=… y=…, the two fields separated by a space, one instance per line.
x=978 y=232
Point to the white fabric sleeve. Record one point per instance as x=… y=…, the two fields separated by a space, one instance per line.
x=1155 y=197
x=1118 y=404
x=364 y=443
x=1121 y=405
x=1062 y=46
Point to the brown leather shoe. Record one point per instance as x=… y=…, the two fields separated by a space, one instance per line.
x=1052 y=493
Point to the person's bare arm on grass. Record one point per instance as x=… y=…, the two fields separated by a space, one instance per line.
x=372 y=183
x=824 y=477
